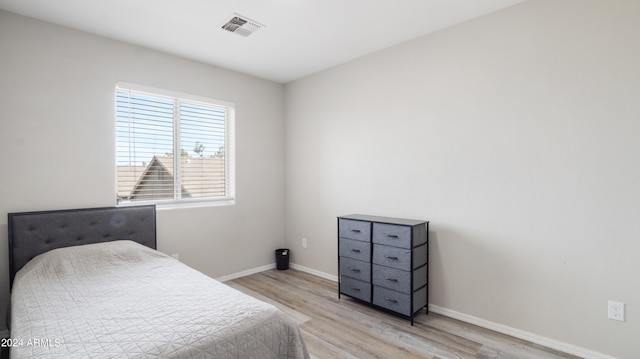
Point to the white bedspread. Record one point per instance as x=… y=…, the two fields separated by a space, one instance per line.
x=121 y=299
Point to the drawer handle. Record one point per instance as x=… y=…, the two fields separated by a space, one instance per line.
x=355 y=230
x=355 y=250
x=355 y=288
x=392 y=236
x=391 y=279
x=354 y=269
x=391 y=257
x=391 y=300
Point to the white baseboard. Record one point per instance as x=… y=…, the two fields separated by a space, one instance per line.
x=520 y=334
x=246 y=272
x=267 y=267
x=500 y=328
x=317 y=273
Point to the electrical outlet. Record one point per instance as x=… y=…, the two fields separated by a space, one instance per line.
x=304 y=243
x=616 y=310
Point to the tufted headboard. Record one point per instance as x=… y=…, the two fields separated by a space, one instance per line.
x=34 y=233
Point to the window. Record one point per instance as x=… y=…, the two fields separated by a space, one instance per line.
x=172 y=148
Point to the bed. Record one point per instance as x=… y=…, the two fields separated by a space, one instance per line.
x=89 y=283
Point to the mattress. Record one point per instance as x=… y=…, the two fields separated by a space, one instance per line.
x=122 y=299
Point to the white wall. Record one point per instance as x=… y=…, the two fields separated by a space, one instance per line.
x=57 y=141
x=518 y=136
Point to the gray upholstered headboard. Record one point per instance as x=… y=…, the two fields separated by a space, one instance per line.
x=34 y=233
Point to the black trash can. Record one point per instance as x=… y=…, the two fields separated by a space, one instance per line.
x=282 y=258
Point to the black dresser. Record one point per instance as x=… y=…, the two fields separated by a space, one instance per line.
x=383 y=261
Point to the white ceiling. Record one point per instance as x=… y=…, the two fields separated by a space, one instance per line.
x=300 y=37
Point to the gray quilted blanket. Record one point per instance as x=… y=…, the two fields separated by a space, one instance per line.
x=121 y=299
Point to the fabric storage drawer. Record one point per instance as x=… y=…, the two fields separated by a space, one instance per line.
x=391 y=278
x=358 y=230
x=400 y=302
x=355 y=269
x=355 y=249
x=419 y=299
x=355 y=288
x=397 y=279
x=420 y=277
x=399 y=258
x=393 y=257
x=419 y=256
x=392 y=300
x=392 y=235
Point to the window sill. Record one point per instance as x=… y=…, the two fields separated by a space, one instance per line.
x=182 y=204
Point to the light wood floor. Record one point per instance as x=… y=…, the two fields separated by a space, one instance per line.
x=344 y=328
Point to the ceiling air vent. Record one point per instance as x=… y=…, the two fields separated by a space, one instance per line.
x=241 y=25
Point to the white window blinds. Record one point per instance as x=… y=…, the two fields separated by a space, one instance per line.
x=172 y=148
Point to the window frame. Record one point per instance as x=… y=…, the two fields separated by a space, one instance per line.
x=229 y=146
